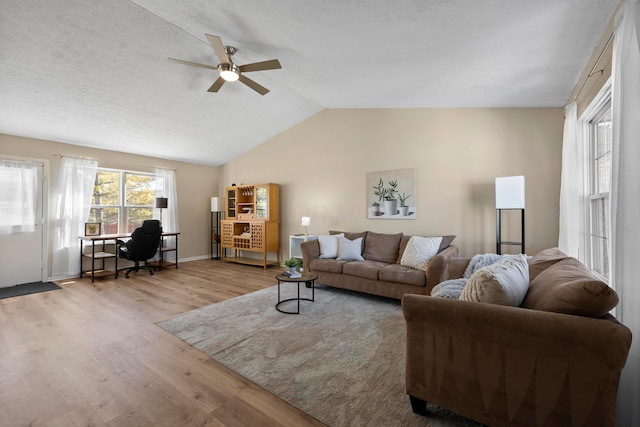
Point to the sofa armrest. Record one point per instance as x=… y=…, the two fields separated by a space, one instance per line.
x=438 y=266
x=310 y=251
x=499 y=364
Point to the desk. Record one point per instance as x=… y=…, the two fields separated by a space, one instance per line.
x=102 y=254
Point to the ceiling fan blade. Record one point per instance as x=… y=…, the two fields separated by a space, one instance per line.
x=216 y=85
x=218 y=47
x=193 y=64
x=272 y=64
x=253 y=85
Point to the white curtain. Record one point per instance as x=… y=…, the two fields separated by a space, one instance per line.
x=166 y=187
x=73 y=202
x=625 y=199
x=570 y=185
x=18 y=192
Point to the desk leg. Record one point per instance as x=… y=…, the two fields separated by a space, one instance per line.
x=93 y=261
x=176 y=251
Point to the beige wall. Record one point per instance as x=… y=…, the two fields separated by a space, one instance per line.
x=321 y=165
x=196 y=184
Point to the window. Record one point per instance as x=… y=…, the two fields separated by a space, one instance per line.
x=599 y=137
x=122 y=200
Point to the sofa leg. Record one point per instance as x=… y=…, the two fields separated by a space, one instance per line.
x=419 y=406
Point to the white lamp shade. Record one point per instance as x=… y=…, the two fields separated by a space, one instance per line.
x=510 y=192
x=216 y=204
x=306 y=220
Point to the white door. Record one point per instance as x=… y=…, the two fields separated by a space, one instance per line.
x=21 y=253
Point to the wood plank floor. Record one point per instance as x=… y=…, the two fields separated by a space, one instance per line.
x=91 y=355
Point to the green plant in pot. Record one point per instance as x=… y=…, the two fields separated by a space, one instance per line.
x=404 y=209
x=293 y=263
x=390 y=201
x=379 y=191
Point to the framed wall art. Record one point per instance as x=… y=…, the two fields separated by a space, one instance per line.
x=92 y=228
x=391 y=194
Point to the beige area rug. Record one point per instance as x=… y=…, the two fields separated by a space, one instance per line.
x=341 y=360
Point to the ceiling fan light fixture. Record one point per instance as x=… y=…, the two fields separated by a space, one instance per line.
x=229 y=72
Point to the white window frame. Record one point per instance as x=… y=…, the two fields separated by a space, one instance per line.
x=591 y=113
x=122 y=206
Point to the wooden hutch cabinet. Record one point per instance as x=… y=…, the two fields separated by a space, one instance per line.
x=252 y=224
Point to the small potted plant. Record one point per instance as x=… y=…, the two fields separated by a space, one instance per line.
x=293 y=263
x=404 y=209
x=375 y=208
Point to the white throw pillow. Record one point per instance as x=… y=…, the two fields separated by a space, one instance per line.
x=419 y=251
x=329 y=245
x=350 y=250
x=506 y=282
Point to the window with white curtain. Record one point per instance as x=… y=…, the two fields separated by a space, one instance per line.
x=122 y=199
x=18 y=193
x=599 y=139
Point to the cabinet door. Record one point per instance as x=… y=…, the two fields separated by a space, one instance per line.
x=262 y=199
x=231 y=202
x=227 y=234
x=257 y=235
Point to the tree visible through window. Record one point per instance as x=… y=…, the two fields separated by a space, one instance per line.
x=122 y=200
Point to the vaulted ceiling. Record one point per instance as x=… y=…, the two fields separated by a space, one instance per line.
x=96 y=73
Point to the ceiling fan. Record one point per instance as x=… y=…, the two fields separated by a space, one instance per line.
x=230 y=72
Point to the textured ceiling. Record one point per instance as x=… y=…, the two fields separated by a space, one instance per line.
x=95 y=73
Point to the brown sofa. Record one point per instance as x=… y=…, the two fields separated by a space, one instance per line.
x=553 y=361
x=381 y=272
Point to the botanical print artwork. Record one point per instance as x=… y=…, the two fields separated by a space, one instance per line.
x=391 y=194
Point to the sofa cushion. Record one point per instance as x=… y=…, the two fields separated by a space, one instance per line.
x=504 y=282
x=446 y=241
x=329 y=245
x=381 y=247
x=349 y=250
x=568 y=287
x=327 y=265
x=419 y=252
x=543 y=260
x=400 y=274
x=366 y=269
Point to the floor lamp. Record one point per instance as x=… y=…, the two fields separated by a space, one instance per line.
x=509 y=196
x=216 y=212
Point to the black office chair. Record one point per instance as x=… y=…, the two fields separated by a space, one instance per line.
x=142 y=246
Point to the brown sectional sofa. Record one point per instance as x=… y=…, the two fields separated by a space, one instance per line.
x=553 y=361
x=381 y=272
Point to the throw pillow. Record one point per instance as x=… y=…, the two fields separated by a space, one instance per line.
x=446 y=241
x=329 y=245
x=419 y=252
x=543 y=260
x=569 y=287
x=451 y=289
x=349 y=250
x=382 y=247
x=506 y=282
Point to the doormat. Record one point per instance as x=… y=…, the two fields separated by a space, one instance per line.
x=27 y=288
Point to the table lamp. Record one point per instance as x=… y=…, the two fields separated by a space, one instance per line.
x=305 y=223
x=161 y=203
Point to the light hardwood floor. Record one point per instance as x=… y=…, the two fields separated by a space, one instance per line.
x=91 y=355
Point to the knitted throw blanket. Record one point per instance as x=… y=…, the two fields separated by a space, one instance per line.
x=453 y=288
